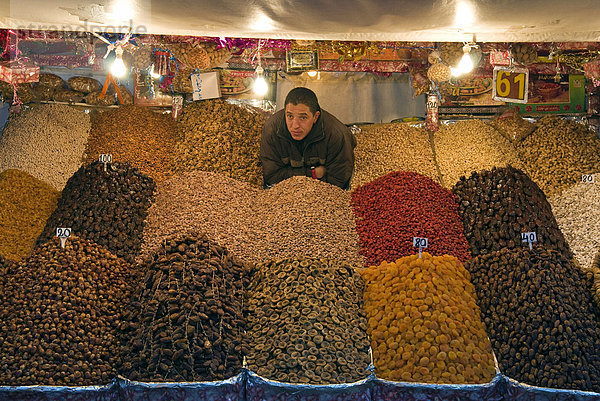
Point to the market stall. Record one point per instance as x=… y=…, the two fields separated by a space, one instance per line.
x=141 y=257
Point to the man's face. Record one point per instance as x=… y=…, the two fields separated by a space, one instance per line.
x=299 y=120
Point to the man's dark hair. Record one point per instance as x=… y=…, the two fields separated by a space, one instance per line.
x=302 y=95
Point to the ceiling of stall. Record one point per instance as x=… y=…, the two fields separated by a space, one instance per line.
x=389 y=20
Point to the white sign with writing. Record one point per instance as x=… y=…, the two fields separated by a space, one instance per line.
x=206 y=85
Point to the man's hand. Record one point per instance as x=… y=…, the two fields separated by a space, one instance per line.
x=320 y=171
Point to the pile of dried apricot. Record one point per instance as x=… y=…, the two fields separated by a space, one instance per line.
x=424 y=323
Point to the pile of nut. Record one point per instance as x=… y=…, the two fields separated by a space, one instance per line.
x=558 y=152
x=187 y=320
x=220 y=137
x=46 y=141
x=108 y=207
x=544 y=326
x=577 y=211
x=383 y=148
x=471 y=145
x=424 y=322
x=295 y=217
x=498 y=205
x=306 y=323
x=596 y=280
x=61 y=313
x=136 y=135
x=25 y=205
x=303 y=216
x=390 y=211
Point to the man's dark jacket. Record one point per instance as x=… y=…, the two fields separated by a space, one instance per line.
x=329 y=143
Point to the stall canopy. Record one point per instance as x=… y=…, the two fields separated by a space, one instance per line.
x=391 y=20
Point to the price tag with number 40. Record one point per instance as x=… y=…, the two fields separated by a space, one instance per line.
x=529 y=238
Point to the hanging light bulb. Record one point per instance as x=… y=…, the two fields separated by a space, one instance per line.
x=260 y=84
x=153 y=73
x=312 y=73
x=118 y=68
x=466 y=63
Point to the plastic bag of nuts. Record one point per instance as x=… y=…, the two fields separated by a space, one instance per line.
x=182 y=82
x=84 y=84
x=93 y=98
x=512 y=126
x=43 y=93
x=65 y=95
x=126 y=95
x=51 y=80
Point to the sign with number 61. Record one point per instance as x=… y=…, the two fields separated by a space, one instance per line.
x=510 y=84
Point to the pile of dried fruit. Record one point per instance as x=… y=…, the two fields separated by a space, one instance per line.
x=544 y=327
x=136 y=135
x=558 y=152
x=393 y=209
x=500 y=204
x=471 y=145
x=383 y=148
x=106 y=207
x=577 y=211
x=47 y=141
x=306 y=323
x=6 y=266
x=297 y=216
x=61 y=316
x=25 y=205
x=596 y=279
x=187 y=315
x=424 y=322
x=220 y=137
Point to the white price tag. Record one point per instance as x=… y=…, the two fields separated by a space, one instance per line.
x=421 y=243
x=105 y=158
x=63 y=233
x=588 y=178
x=529 y=238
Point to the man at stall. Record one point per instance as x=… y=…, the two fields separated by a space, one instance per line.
x=305 y=140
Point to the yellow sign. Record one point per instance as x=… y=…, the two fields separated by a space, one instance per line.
x=510 y=84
